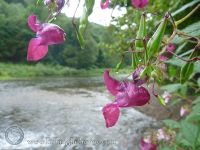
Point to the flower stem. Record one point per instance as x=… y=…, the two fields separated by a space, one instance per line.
x=187 y=16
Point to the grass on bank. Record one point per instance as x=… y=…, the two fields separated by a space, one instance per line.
x=10 y=71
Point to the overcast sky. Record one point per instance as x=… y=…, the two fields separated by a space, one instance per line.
x=99 y=16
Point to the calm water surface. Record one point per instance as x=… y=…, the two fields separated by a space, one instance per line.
x=65 y=113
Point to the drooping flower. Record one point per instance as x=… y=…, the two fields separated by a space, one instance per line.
x=139 y=3
x=147 y=144
x=104 y=4
x=46 y=34
x=171 y=47
x=58 y=4
x=127 y=94
x=184 y=110
x=167 y=96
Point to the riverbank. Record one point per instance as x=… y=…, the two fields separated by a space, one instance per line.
x=12 y=71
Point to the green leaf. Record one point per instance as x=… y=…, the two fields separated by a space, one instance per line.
x=172 y=70
x=193 y=116
x=196 y=67
x=186 y=72
x=179 y=48
x=80 y=39
x=186 y=53
x=147 y=71
x=171 y=87
x=193 y=30
x=171 y=123
x=180 y=140
x=197 y=100
x=183 y=8
x=176 y=62
x=189 y=132
x=118 y=66
x=198 y=82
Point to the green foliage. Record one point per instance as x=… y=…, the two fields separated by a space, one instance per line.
x=9 y=71
x=171 y=123
x=186 y=72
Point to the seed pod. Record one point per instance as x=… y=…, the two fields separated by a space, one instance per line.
x=119 y=65
x=154 y=43
x=141 y=33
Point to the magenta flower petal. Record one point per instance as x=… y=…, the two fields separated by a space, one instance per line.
x=51 y=34
x=111 y=114
x=138 y=96
x=147 y=145
x=35 y=50
x=139 y=3
x=33 y=23
x=105 y=4
x=111 y=84
x=122 y=99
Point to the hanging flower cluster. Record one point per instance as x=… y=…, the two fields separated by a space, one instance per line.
x=127 y=94
x=46 y=34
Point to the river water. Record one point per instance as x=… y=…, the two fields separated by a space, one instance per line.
x=64 y=113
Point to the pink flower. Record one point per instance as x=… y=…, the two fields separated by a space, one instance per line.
x=167 y=96
x=184 y=110
x=162 y=135
x=126 y=94
x=59 y=4
x=46 y=34
x=139 y=3
x=147 y=144
x=163 y=58
x=104 y=4
x=171 y=47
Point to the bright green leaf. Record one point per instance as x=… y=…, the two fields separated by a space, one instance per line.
x=186 y=72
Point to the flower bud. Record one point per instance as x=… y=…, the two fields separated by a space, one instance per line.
x=104 y=4
x=167 y=96
x=184 y=110
x=56 y=4
x=171 y=47
x=139 y=3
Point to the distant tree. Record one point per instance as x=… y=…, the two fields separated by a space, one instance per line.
x=100 y=62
